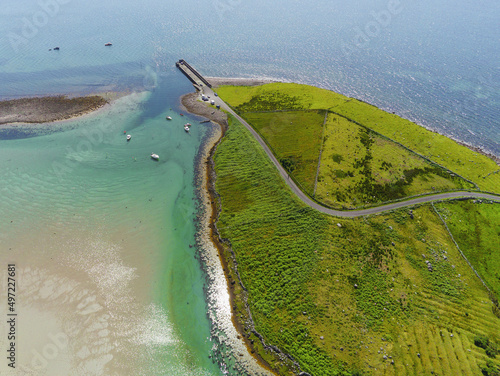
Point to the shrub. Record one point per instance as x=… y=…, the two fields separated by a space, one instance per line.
x=481 y=341
x=489 y=369
x=492 y=350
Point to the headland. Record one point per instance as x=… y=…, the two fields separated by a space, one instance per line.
x=321 y=280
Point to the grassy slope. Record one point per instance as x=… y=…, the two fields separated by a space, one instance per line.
x=301 y=268
x=295 y=137
x=476 y=229
x=358 y=167
x=463 y=161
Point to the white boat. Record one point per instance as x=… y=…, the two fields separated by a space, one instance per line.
x=186 y=127
x=155 y=156
x=129 y=137
x=169 y=117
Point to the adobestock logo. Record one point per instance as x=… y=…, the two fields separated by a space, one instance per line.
x=372 y=29
x=89 y=139
x=30 y=26
x=50 y=351
x=223 y=6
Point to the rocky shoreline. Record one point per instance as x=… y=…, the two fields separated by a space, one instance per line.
x=212 y=250
x=219 y=81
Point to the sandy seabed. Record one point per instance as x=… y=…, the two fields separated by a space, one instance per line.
x=82 y=302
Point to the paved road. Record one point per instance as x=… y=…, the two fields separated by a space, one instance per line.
x=351 y=213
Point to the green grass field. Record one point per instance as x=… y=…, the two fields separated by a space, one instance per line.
x=441 y=150
x=359 y=167
x=348 y=296
x=475 y=226
x=295 y=138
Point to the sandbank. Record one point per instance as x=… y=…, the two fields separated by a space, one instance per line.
x=37 y=110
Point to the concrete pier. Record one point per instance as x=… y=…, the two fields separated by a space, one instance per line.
x=192 y=74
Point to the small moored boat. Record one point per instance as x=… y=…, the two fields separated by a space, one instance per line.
x=169 y=117
x=155 y=156
x=186 y=127
x=108 y=44
x=129 y=137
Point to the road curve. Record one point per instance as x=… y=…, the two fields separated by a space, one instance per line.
x=339 y=213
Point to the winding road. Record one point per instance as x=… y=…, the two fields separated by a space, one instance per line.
x=339 y=213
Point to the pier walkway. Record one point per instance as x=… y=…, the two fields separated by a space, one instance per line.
x=192 y=74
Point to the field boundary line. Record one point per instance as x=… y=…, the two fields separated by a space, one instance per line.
x=320 y=152
x=459 y=250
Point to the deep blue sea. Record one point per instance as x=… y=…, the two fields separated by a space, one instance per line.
x=103 y=236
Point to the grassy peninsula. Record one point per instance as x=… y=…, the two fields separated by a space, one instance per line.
x=388 y=294
x=346 y=153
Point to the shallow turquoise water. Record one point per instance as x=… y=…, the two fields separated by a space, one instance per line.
x=116 y=209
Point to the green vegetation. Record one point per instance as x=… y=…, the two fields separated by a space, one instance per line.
x=279 y=96
x=359 y=166
x=475 y=227
x=295 y=138
x=387 y=294
x=489 y=369
x=490 y=347
x=441 y=150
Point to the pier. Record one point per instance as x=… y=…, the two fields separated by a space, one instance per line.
x=192 y=74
